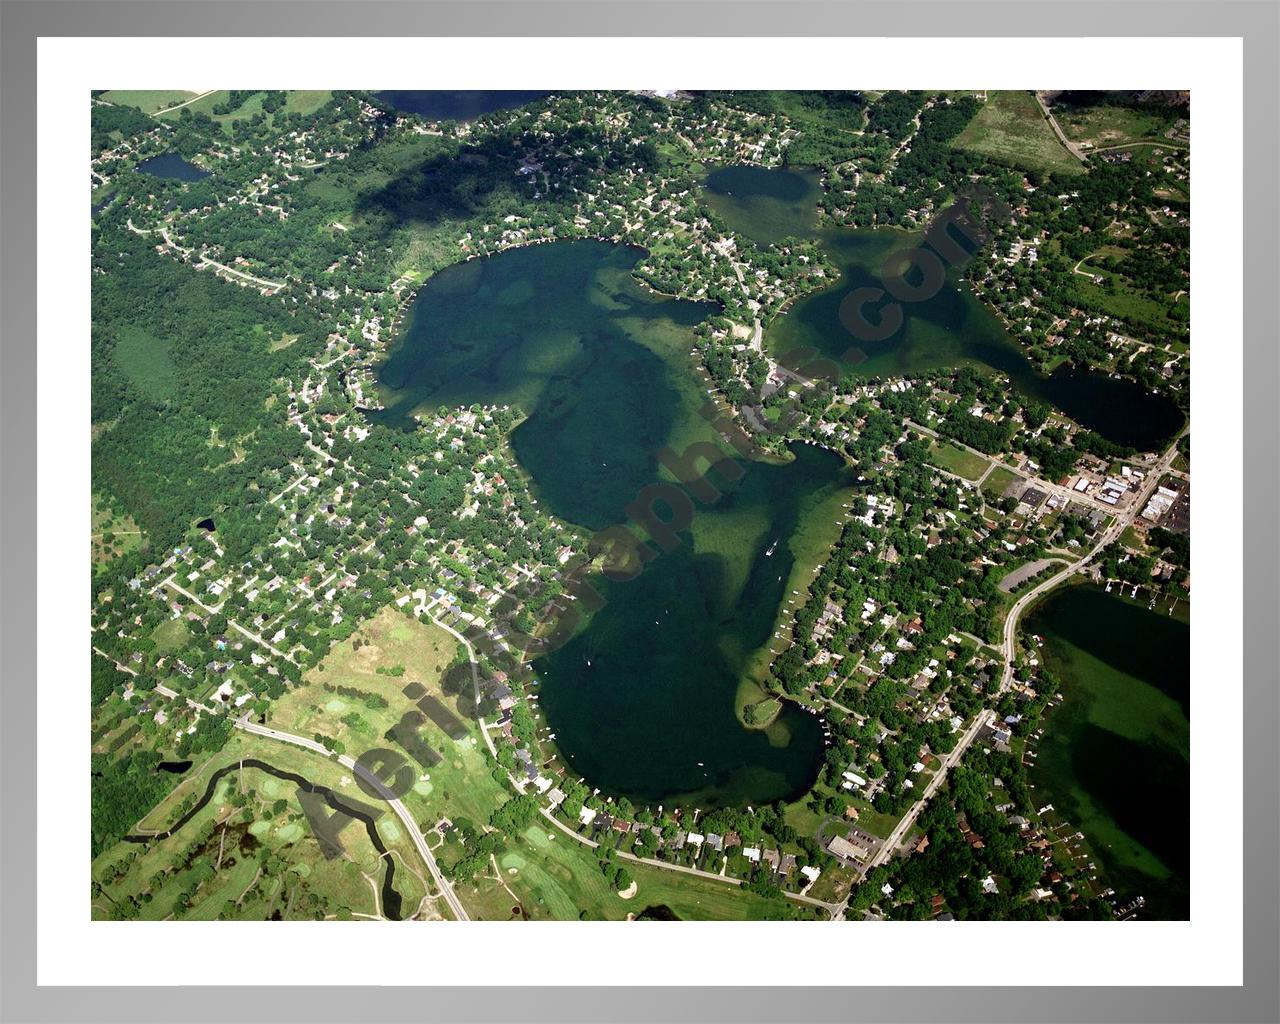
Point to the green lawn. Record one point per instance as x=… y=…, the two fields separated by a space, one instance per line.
x=946 y=455
x=171 y=635
x=1131 y=540
x=305 y=101
x=1011 y=129
x=389 y=640
x=998 y=482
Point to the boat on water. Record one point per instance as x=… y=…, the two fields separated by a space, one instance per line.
x=769 y=551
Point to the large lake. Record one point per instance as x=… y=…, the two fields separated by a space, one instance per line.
x=461 y=105
x=643 y=700
x=947 y=329
x=1114 y=758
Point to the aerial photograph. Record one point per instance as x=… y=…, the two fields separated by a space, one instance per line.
x=640 y=505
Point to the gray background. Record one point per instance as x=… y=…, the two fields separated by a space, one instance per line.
x=22 y=22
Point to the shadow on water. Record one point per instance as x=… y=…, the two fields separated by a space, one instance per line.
x=458 y=180
x=173 y=767
x=658 y=912
x=458 y=105
x=391 y=899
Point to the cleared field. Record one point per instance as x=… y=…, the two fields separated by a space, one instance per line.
x=305 y=101
x=998 y=482
x=147 y=362
x=955 y=460
x=345 y=698
x=1011 y=129
x=148 y=100
x=1107 y=124
x=1117 y=297
x=171 y=635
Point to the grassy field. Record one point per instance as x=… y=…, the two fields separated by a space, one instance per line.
x=998 y=482
x=171 y=635
x=546 y=875
x=1104 y=125
x=956 y=460
x=1011 y=129
x=1117 y=297
x=391 y=642
x=1132 y=540
x=111 y=534
x=393 y=158
x=461 y=784
x=305 y=101
x=148 y=100
x=302 y=101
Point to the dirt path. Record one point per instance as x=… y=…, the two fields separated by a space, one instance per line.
x=185 y=103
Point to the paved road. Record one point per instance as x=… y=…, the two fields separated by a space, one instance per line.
x=258 y=640
x=1072 y=148
x=1112 y=533
x=475 y=678
x=402 y=812
x=952 y=759
x=261 y=282
x=1152 y=479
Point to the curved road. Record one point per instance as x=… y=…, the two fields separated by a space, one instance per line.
x=1149 y=484
x=402 y=812
x=1154 y=475
x=1071 y=147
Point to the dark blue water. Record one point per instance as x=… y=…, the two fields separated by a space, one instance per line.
x=170 y=165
